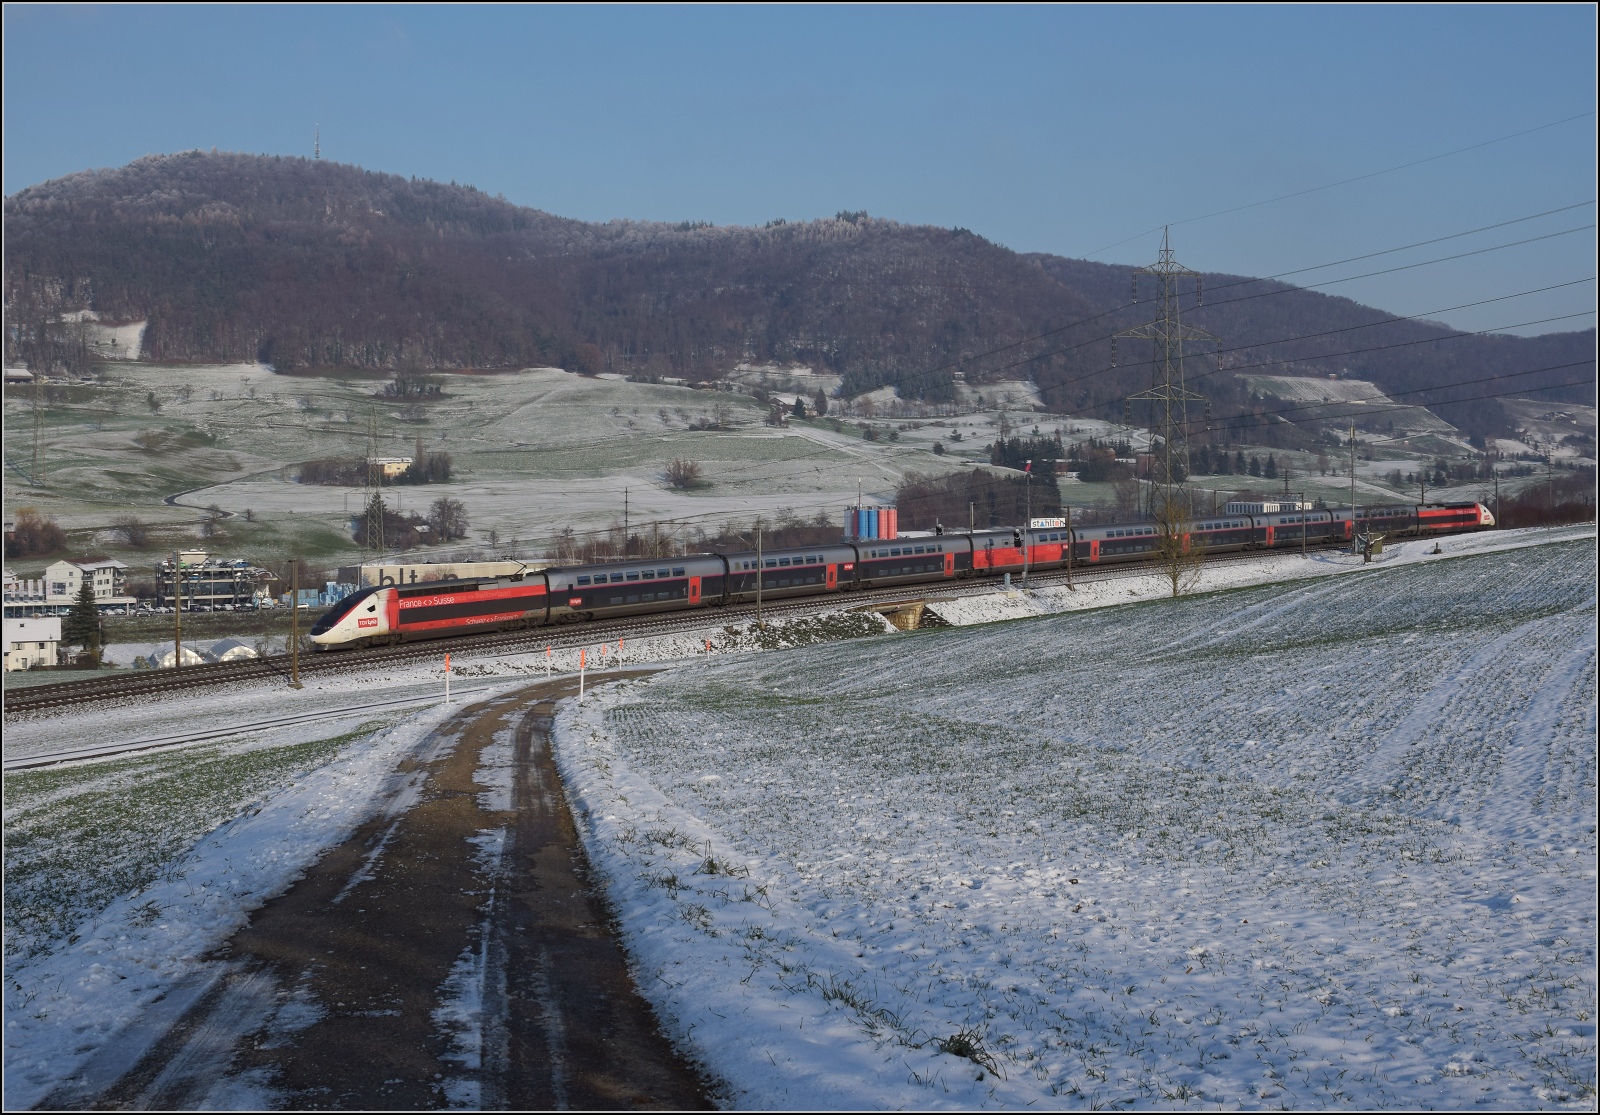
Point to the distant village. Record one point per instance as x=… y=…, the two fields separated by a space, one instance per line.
x=193 y=580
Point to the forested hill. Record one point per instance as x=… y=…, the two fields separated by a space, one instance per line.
x=299 y=262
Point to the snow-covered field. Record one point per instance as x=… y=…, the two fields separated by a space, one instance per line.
x=122 y=876
x=1328 y=843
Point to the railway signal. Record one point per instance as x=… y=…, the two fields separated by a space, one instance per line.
x=582 y=659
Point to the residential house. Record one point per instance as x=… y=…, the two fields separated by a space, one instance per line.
x=32 y=642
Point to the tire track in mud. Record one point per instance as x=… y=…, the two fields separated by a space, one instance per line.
x=449 y=954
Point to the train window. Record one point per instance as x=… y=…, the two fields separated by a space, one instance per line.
x=677 y=571
x=772 y=563
x=633 y=598
x=632 y=576
x=583 y=580
x=663 y=572
x=647 y=574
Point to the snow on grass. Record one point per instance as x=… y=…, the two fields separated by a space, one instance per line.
x=1021 y=602
x=122 y=876
x=1318 y=844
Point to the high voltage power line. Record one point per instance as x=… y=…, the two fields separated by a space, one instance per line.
x=1344 y=181
x=968 y=360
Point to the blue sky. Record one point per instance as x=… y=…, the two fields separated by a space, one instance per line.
x=1060 y=130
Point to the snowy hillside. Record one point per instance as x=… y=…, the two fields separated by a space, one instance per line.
x=1323 y=844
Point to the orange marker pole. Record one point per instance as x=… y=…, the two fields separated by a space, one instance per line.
x=582 y=655
x=621 y=645
x=447 y=679
x=547 y=662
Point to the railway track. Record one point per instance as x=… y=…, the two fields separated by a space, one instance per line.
x=153 y=683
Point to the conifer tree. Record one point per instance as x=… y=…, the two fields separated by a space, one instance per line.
x=83 y=622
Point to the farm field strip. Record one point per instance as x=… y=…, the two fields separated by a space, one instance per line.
x=123 y=876
x=1326 y=843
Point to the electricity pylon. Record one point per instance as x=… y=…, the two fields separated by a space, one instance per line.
x=1169 y=396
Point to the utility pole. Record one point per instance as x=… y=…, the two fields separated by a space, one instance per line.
x=1302 y=510
x=294 y=625
x=177 y=615
x=1168 y=393
x=1354 y=546
x=373 y=491
x=624 y=522
x=1027 y=524
x=761 y=576
x=38 y=420
x=1068 y=509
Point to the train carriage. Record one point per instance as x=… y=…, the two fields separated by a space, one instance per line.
x=793 y=571
x=906 y=560
x=1221 y=533
x=996 y=551
x=635 y=587
x=1116 y=543
x=1296 y=528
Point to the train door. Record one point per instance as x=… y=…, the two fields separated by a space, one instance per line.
x=1269 y=534
x=694 y=591
x=949 y=565
x=1094 y=549
x=832 y=581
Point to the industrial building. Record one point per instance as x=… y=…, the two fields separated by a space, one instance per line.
x=209 y=583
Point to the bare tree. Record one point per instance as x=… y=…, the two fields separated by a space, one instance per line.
x=211 y=525
x=683 y=474
x=1179 y=554
x=1126 y=493
x=448 y=518
x=132 y=531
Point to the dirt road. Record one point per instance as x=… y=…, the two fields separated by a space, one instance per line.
x=452 y=953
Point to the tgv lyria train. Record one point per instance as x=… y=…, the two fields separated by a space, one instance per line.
x=388 y=614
